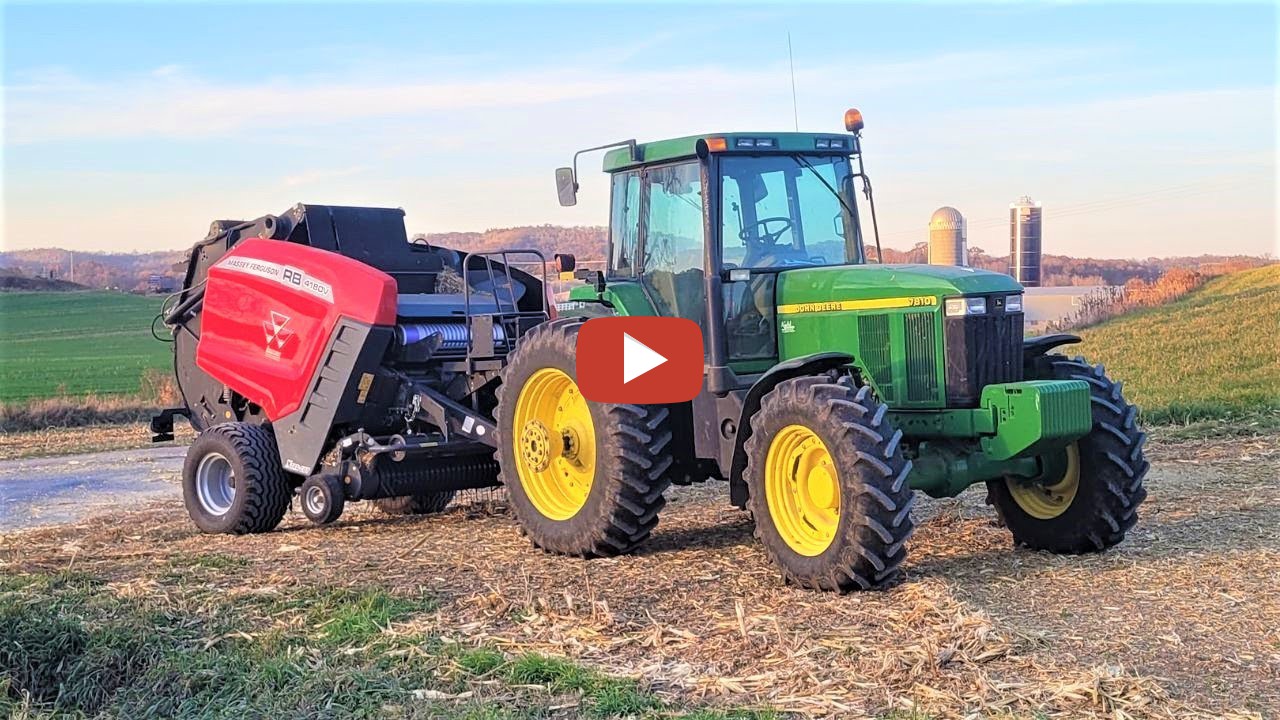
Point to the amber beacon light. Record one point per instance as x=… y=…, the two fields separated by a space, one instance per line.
x=853 y=120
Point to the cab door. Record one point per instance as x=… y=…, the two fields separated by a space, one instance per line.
x=673 y=245
x=748 y=285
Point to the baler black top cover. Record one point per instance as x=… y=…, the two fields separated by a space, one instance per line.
x=374 y=236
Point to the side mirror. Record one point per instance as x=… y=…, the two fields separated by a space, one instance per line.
x=564 y=262
x=566 y=187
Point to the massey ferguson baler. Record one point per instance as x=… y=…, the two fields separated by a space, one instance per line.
x=321 y=351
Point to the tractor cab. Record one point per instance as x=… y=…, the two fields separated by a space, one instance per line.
x=701 y=226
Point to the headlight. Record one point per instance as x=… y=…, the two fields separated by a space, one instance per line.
x=958 y=307
x=1013 y=304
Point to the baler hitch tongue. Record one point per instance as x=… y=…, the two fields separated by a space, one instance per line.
x=162 y=423
x=452 y=417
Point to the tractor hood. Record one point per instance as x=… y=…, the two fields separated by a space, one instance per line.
x=868 y=282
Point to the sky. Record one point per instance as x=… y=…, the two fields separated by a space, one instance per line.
x=1144 y=129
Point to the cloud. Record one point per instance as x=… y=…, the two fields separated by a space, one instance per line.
x=170 y=102
x=462 y=149
x=312 y=177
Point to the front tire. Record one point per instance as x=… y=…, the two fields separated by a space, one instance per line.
x=232 y=480
x=827 y=485
x=1090 y=499
x=584 y=479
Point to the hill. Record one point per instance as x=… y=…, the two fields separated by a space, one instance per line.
x=76 y=343
x=1211 y=354
x=14 y=282
x=130 y=271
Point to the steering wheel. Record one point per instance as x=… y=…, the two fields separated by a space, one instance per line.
x=766 y=237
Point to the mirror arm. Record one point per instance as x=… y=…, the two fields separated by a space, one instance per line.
x=630 y=144
x=871 y=203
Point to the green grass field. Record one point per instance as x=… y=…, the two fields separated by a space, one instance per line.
x=1213 y=354
x=76 y=343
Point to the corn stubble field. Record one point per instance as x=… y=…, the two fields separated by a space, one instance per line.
x=456 y=616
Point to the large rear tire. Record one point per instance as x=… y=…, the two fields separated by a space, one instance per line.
x=1089 y=499
x=232 y=481
x=584 y=479
x=827 y=485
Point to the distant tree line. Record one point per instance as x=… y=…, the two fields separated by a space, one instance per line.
x=131 y=272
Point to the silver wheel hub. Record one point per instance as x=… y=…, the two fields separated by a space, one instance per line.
x=215 y=484
x=314 y=500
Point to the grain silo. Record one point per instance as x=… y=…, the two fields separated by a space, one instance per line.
x=1024 y=241
x=947 y=244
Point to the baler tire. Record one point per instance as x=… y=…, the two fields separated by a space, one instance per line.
x=1111 y=464
x=632 y=462
x=322 y=498
x=262 y=491
x=423 y=504
x=868 y=543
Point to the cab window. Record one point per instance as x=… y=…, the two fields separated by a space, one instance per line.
x=624 y=225
x=786 y=210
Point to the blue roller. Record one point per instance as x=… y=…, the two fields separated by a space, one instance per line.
x=454 y=336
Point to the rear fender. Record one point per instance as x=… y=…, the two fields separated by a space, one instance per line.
x=805 y=365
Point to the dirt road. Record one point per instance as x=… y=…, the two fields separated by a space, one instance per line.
x=1182 y=620
x=66 y=488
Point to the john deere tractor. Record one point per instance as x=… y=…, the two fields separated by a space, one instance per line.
x=835 y=386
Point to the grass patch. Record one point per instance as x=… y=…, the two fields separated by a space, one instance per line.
x=730 y=715
x=69 y=644
x=602 y=696
x=480 y=662
x=209 y=561
x=1208 y=357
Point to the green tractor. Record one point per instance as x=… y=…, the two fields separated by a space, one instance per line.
x=834 y=388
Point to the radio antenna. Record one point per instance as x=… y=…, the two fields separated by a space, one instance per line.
x=795 y=110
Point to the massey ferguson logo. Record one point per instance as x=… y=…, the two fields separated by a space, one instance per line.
x=277 y=334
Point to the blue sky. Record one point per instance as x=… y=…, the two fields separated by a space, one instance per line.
x=1145 y=129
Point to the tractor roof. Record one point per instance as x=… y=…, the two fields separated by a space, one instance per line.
x=687 y=147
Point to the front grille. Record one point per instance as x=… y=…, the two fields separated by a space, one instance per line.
x=922 y=358
x=981 y=350
x=873 y=345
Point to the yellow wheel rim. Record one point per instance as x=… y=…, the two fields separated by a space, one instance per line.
x=555 y=444
x=1046 y=502
x=802 y=490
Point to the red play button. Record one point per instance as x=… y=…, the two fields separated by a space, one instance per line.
x=641 y=360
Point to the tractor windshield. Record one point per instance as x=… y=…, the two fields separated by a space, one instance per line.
x=788 y=210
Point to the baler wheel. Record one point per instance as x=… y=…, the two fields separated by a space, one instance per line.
x=424 y=504
x=1091 y=497
x=322 y=499
x=584 y=479
x=827 y=485
x=232 y=481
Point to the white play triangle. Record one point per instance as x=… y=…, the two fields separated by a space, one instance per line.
x=637 y=358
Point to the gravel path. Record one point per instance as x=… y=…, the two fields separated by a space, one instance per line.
x=61 y=489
